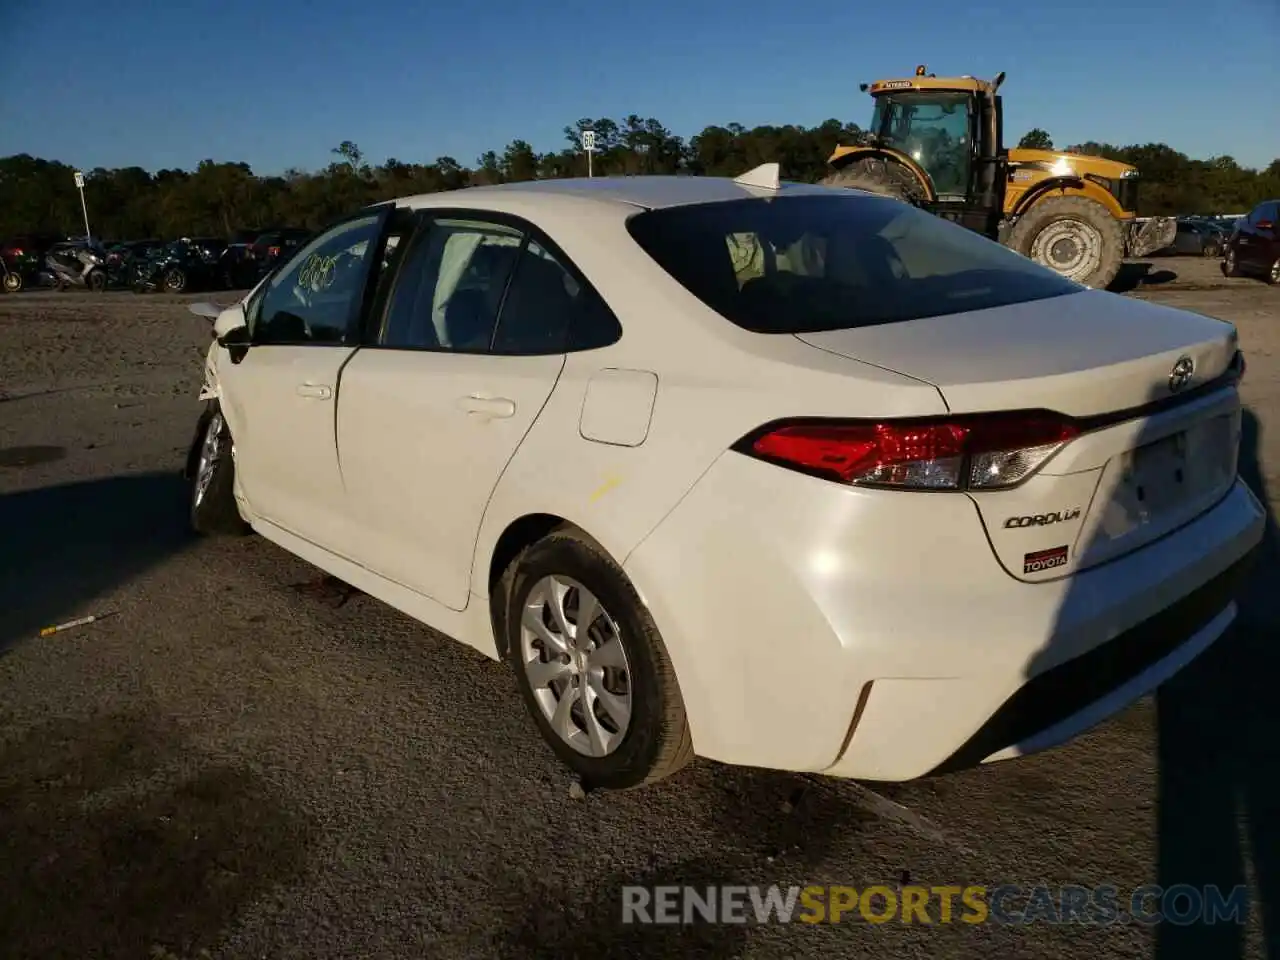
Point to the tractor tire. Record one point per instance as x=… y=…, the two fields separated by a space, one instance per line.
x=875 y=175
x=1073 y=236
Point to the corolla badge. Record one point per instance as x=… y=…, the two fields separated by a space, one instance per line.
x=1180 y=375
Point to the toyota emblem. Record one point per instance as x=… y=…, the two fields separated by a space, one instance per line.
x=1180 y=375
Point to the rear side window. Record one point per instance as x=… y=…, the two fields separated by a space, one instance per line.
x=812 y=263
x=547 y=310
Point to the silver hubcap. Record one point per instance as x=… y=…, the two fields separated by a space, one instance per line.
x=1071 y=247
x=1275 y=272
x=208 y=456
x=175 y=281
x=577 y=668
x=1231 y=259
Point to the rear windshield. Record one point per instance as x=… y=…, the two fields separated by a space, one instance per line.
x=811 y=263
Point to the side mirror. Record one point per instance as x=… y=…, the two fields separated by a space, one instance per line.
x=239 y=337
x=232 y=318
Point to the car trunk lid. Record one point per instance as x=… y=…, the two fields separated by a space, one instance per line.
x=1158 y=443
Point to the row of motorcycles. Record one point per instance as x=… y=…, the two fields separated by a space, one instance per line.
x=172 y=268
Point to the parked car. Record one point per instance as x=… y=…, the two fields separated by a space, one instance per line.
x=783 y=475
x=124 y=258
x=192 y=263
x=1196 y=238
x=1254 y=247
x=268 y=247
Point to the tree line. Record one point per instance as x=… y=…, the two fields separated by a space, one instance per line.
x=221 y=197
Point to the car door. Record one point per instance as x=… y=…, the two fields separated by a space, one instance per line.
x=1250 y=244
x=462 y=358
x=1267 y=238
x=279 y=395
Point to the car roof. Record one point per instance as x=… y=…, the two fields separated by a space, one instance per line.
x=645 y=192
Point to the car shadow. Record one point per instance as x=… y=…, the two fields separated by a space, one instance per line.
x=1215 y=749
x=1219 y=759
x=65 y=545
x=121 y=840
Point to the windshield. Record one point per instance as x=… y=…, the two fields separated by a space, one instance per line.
x=933 y=129
x=809 y=263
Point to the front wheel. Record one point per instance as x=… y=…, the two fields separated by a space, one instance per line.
x=213 y=474
x=591 y=666
x=175 y=281
x=1230 y=265
x=97 y=281
x=1074 y=236
x=13 y=282
x=1273 y=275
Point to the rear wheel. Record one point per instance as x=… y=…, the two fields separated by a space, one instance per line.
x=97 y=281
x=13 y=282
x=591 y=666
x=1273 y=275
x=1074 y=236
x=1230 y=266
x=877 y=175
x=175 y=280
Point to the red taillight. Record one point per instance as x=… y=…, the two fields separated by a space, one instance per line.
x=984 y=452
x=273 y=251
x=15 y=252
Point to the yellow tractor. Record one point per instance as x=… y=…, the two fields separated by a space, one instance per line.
x=938 y=143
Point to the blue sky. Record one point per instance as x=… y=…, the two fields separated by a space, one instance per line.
x=277 y=83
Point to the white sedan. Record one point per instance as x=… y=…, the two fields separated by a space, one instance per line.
x=780 y=475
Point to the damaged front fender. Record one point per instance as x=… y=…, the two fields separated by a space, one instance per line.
x=1148 y=236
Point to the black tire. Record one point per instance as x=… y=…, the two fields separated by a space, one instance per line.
x=174 y=281
x=13 y=282
x=96 y=282
x=213 y=509
x=1230 y=265
x=657 y=741
x=1211 y=251
x=877 y=175
x=1273 y=275
x=1084 y=222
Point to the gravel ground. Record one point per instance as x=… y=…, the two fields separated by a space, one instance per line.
x=240 y=762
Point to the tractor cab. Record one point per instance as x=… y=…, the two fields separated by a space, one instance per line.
x=948 y=133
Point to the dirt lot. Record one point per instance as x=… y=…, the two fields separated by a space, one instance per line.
x=237 y=761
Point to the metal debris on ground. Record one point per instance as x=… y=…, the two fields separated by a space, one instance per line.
x=80 y=622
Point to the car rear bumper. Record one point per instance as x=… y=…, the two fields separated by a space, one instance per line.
x=872 y=634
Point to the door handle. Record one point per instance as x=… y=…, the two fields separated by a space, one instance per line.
x=315 y=391
x=499 y=407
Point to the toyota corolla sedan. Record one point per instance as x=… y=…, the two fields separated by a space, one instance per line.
x=780 y=475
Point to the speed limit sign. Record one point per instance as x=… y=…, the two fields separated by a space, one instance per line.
x=588 y=139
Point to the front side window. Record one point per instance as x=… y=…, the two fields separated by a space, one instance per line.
x=933 y=129
x=317 y=295
x=803 y=264
x=450 y=286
